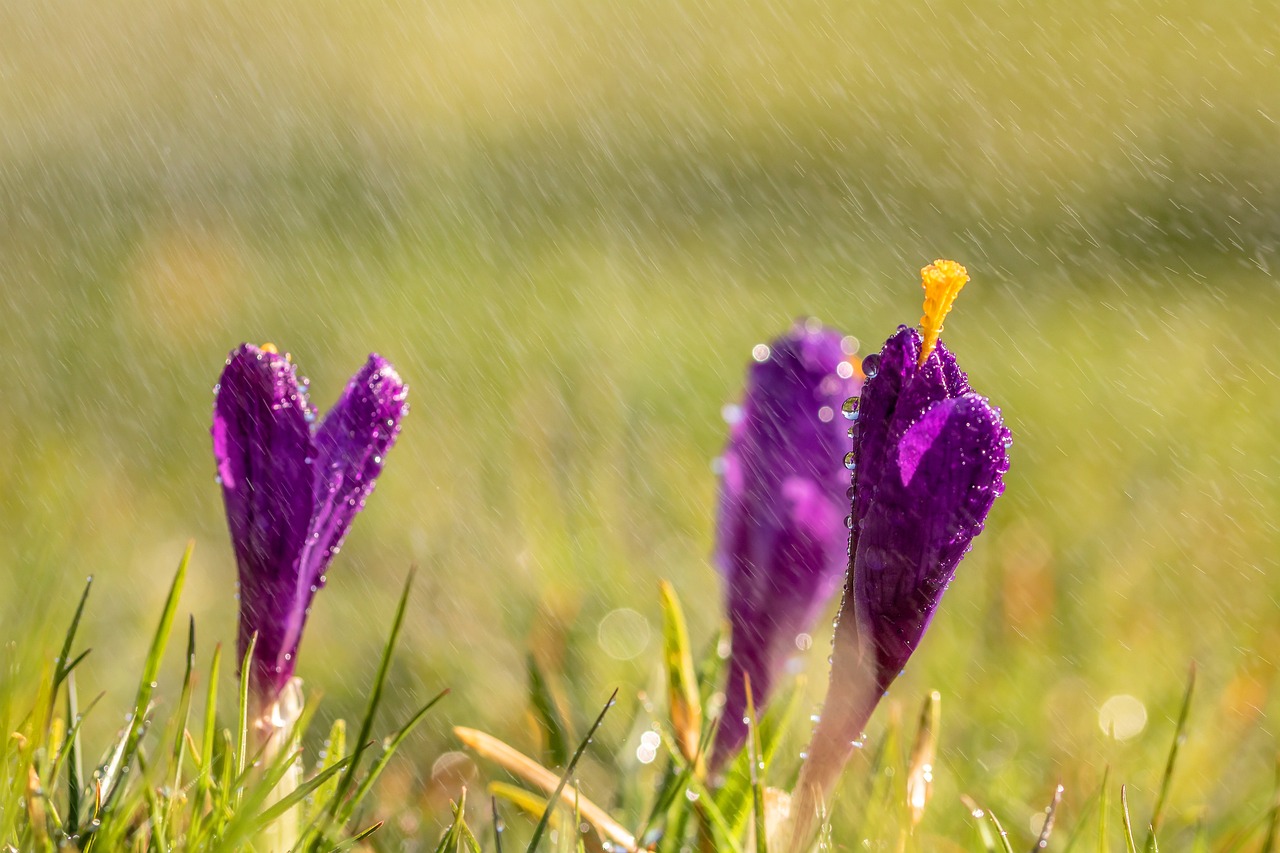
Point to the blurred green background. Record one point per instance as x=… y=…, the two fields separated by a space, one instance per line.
x=567 y=222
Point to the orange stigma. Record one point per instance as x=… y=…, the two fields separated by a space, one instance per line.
x=942 y=282
x=271 y=348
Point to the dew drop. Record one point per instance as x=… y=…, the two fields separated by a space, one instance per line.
x=850 y=408
x=850 y=460
x=871 y=365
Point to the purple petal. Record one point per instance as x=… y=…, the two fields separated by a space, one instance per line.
x=920 y=526
x=351 y=443
x=781 y=540
x=930 y=456
x=262 y=442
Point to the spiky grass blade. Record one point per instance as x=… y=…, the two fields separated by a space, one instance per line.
x=179 y=751
x=366 y=784
x=242 y=715
x=112 y=778
x=1005 y=845
x=366 y=723
x=65 y=665
x=468 y=838
x=75 y=757
x=357 y=838
x=1179 y=735
x=250 y=822
x=755 y=762
x=204 y=773
x=552 y=801
x=1130 y=847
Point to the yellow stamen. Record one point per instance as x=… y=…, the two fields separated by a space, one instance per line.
x=271 y=348
x=942 y=282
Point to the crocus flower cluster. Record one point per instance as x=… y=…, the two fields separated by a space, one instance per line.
x=781 y=539
x=291 y=486
x=929 y=457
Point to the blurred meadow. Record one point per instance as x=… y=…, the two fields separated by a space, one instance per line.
x=567 y=222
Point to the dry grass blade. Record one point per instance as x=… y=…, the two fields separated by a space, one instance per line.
x=518 y=764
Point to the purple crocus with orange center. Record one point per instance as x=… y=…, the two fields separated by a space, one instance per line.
x=929 y=456
x=781 y=539
x=291 y=486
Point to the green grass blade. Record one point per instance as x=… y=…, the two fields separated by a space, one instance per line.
x=208 y=733
x=334 y=751
x=357 y=838
x=1104 y=812
x=179 y=751
x=684 y=702
x=547 y=710
x=755 y=761
x=65 y=667
x=1002 y=836
x=554 y=801
x=1130 y=847
x=242 y=714
x=985 y=836
x=250 y=822
x=468 y=837
x=675 y=783
x=732 y=798
x=159 y=829
x=449 y=841
x=1179 y=735
x=75 y=758
x=366 y=784
x=706 y=803
x=371 y=711
x=113 y=780
x=71 y=754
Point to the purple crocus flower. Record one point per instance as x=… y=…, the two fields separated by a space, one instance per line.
x=781 y=541
x=929 y=456
x=291 y=488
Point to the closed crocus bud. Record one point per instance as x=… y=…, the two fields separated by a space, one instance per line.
x=930 y=455
x=781 y=538
x=291 y=486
